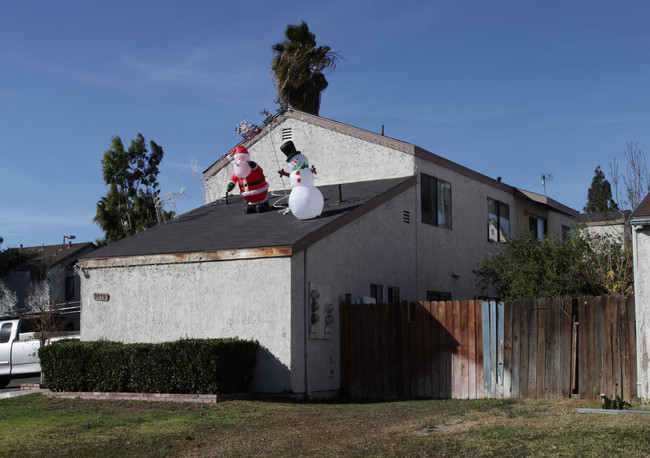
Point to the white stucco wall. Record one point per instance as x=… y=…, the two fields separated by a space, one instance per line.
x=642 y=307
x=448 y=257
x=249 y=299
x=614 y=231
x=338 y=158
x=347 y=262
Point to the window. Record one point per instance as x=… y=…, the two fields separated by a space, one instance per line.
x=566 y=233
x=435 y=196
x=69 y=289
x=377 y=292
x=538 y=226
x=393 y=294
x=437 y=296
x=5 y=332
x=498 y=221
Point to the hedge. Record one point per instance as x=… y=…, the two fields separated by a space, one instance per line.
x=196 y=366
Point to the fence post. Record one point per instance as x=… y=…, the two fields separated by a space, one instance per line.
x=488 y=354
x=345 y=349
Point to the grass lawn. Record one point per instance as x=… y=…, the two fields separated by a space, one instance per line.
x=34 y=425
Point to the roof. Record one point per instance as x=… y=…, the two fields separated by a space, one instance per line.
x=554 y=204
x=225 y=229
x=642 y=212
x=392 y=143
x=51 y=255
x=603 y=218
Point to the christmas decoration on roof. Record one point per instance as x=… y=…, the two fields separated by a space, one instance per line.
x=247 y=130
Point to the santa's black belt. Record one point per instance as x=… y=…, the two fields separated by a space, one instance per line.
x=248 y=185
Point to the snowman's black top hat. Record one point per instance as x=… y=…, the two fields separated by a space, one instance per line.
x=289 y=149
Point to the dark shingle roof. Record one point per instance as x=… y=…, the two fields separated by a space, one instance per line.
x=643 y=210
x=608 y=216
x=51 y=255
x=218 y=226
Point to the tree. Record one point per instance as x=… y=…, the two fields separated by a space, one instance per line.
x=636 y=178
x=12 y=258
x=297 y=67
x=132 y=175
x=599 y=196
x=526 y=268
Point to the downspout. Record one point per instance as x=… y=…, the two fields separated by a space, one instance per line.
x=635 y=257
x=418 y=209
x=307 y=327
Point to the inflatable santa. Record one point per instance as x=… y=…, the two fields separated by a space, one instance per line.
x=305 y=200
x=250 y=178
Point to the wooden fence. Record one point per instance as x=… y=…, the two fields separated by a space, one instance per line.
x=468 y=349
x=607 y=346
x=412 y=350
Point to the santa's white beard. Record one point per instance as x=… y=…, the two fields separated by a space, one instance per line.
x=241 y=170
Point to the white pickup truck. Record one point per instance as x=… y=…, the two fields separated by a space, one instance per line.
x=19 y=351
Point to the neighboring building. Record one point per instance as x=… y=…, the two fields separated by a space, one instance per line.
x=399 y=223
x=610 y=223
x=48 y=277
x=640 y=223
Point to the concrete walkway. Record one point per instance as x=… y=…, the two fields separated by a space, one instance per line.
x=21 y=392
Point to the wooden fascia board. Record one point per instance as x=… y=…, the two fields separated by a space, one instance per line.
x=350 y=216
x=185 y=258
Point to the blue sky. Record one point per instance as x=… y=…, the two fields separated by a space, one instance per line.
x=507 y=88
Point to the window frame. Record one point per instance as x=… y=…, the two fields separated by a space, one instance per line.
x=435 y=201
x=377 y=292
x=438 y=296
x=5 y=331
x=499 y=206
x=535 y=230
x=393 y=294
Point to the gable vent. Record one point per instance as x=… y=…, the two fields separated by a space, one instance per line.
x=407 y=217
x=286 y=134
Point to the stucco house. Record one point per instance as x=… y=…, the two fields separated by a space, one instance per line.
x=49 y=277
x=606 y=224
x=640 y=223
x=399 y=222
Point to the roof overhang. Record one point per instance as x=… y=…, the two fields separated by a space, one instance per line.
x=555 y=205
x=640 y=221
x=187 y=258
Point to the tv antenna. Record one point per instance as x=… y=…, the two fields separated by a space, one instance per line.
x=546 y=176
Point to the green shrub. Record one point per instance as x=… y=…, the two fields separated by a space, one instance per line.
x=202 y=366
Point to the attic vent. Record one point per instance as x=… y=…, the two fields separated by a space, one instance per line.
x=286 y=134
x=407 y=217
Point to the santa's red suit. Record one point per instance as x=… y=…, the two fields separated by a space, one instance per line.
x=253 y=187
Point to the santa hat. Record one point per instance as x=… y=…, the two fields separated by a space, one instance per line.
x=289 y=149
x=239 y=151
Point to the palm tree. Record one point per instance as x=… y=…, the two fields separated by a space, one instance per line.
x=298 y=66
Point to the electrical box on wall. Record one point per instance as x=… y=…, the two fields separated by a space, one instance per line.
x=321 y=310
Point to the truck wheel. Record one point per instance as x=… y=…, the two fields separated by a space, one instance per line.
x=4 y=381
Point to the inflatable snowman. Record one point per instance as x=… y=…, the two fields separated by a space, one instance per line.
x=305 y=200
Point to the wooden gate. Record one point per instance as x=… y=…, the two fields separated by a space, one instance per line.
x=553 y=348
x=412 y=350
